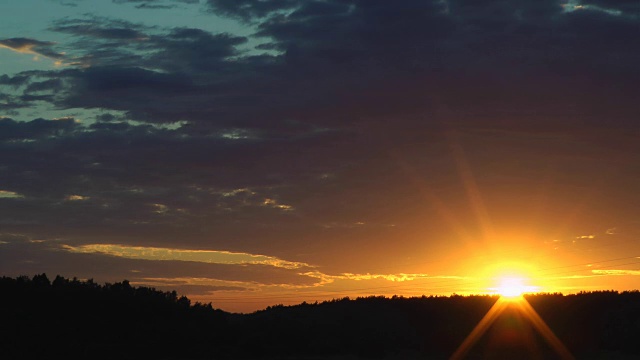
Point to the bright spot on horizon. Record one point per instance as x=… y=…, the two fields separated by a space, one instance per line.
x=511 y=279
x=513 y=288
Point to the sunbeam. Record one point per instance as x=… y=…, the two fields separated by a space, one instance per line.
x=480 y=329
x=522 y=306
x=542 y=327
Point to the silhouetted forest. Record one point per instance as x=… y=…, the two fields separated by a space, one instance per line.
x=70 y=318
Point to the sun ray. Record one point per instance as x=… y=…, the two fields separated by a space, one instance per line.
x=471 y=186
x=544 y=329
x=524 y=308
x=480 y=329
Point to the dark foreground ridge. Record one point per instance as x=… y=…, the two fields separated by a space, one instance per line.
x=70 y=318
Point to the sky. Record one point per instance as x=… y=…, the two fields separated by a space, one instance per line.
x=250 y=153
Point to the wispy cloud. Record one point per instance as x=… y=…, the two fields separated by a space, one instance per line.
x=388 y=277
x=323 y=279
x=274 y=204
x=5 y=194
x=34 y=47
x=167 y=254
x=616 y=272
x=207 y=284
x=400 y=277
x=76 y=198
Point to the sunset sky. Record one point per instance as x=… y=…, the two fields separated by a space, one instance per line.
x=250 y=153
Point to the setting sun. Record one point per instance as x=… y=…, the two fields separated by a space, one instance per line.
x=512 y=279
x=511 y=288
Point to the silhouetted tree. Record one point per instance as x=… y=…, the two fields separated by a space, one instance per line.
x=83 y=319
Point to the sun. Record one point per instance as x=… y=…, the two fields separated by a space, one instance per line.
x=511 y=279
x=512 y=288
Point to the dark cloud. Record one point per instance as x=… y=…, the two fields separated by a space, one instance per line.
x=151 y=6
x=69 y=3
x=91 y=29
x=125 y=178
x=154 y=1
x=347 y=60
x=250 y=9
x=110 y=42
x=156 y=4
x=11 y=102
x=108 y=117
x=340 y=58
x=192 y=51
x=48 y=85
x=14 y=81
x=105 y=80
x=44 y=48
x=38 y=128
x=627 y=7
x=104 y=41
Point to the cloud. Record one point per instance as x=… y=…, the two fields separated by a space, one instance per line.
x=616 y=272
x=331 y=44
x=24 y=254
x=14 y=81
x=6 y=194
x=38 y=128
x=274 y=204
x=111 y=42
x=165 y=254
x=389 y=277
x=156 y=4
x=44 y=86
x=627 y=7
x=8 y=238
x=250 y=9
x=32 y=46
x=93 y=27
x=581 y=237
x=401 y=277
x=195 y=286
x=109 y=163
x=361 y=62
x=154 y=1
x=76 y=198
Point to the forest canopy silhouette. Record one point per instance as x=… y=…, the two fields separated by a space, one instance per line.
x=74 y=318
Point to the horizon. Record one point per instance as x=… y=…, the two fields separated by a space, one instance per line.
x=104 y=321
x=507 y=297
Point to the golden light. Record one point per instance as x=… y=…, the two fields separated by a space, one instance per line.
x=511 y=280
x=511 y=291
x=512 y=288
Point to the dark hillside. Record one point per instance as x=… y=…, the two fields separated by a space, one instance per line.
x=82 y=319
x=70 y=318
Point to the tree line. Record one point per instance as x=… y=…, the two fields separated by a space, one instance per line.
x=73 y=318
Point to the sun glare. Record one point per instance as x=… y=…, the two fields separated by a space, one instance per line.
x=511 y=288
x=511 y=280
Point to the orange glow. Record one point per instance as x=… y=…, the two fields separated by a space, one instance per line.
x=511 y=280
x=512 y=288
